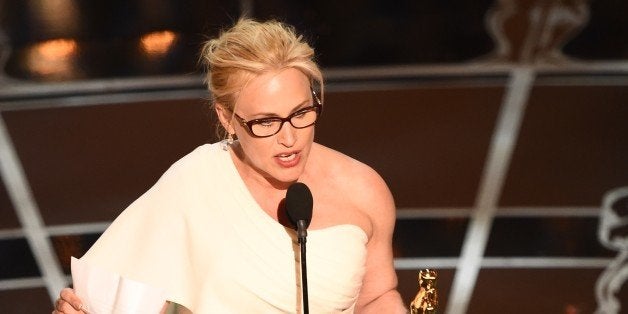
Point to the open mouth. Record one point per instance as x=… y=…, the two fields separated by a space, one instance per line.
x=287 y=157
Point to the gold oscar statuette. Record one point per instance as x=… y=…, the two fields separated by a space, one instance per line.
x=426 y=300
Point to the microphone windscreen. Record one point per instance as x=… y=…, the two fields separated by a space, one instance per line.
x=299 y=203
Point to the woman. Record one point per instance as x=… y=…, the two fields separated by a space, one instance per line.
x=210 y=232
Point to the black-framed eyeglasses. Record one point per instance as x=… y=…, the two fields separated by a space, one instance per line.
x=300 y=119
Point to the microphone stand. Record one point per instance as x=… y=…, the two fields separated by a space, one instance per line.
x=301 y=234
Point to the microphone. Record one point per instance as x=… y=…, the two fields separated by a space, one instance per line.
x=299 y=204
x=299 y=209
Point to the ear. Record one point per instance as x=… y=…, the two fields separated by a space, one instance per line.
x=225 y=116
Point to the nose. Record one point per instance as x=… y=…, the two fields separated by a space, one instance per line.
x=287 y=135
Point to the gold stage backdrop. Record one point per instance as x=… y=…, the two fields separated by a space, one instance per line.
x=500 y=126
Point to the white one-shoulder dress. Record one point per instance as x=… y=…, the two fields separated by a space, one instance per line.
x=199 y=234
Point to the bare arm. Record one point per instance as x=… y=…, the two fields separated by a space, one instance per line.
x=379 y=288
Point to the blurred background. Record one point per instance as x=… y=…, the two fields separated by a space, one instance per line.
x=501 y=127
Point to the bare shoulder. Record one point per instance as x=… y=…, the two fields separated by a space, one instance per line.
x=354 y=183
x=349 y=172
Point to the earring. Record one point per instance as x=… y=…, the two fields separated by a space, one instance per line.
x=227 y=142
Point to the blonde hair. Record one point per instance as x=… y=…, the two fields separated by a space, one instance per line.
x=249 y=49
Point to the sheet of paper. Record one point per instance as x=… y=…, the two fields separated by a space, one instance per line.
x=104 y=292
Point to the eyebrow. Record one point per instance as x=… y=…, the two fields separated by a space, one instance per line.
x=298 y=107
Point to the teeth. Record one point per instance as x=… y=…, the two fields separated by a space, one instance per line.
x=288 y=157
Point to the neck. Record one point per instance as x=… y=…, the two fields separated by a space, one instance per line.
x=254 y=178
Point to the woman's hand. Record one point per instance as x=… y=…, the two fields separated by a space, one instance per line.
x=68 y=303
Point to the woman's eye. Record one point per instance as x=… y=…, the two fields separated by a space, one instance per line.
x=300 y=114
x=266 y=123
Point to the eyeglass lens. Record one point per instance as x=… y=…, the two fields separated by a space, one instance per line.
x=300 y=119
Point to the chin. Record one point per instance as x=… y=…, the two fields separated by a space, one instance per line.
x=288 y=176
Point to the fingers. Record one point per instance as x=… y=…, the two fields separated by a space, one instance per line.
x=68 y=302
x=64 y=307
